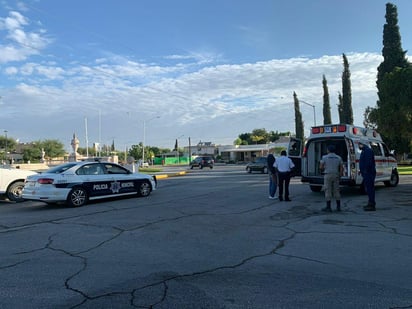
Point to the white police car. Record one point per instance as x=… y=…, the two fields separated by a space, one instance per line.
x=76 y=183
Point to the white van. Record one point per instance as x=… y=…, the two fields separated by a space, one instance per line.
x=346 y=140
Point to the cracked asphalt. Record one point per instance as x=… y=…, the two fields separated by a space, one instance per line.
x=210 y=239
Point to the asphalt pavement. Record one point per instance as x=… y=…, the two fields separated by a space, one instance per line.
x=210 y=239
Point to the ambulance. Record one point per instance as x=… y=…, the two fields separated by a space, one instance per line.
x=346 y=139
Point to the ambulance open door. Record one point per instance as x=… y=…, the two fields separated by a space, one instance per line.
x=295 y=149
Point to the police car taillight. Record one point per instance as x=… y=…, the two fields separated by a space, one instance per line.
x=45 y=181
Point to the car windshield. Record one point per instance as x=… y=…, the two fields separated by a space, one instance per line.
x=60 y=168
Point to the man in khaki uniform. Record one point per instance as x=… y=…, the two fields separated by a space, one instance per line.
x=332 y=167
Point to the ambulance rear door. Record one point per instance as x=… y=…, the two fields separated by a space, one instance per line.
x=295 y=154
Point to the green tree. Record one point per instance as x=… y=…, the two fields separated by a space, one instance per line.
x=244 y=139
x=52 y=148
x=83 y=151
x=392 y=52
x=340 y=109
x=327 y=117
x=136 y=151
x=6 y=144
x=299 y=127
x=32 y=154
x=259 y=136
x=347 y=111
x=395 y=116
x=391 y=116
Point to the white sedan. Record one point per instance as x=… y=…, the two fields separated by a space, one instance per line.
x=76 y=183
x=12 y=182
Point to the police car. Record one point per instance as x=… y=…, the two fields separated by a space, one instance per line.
x=346 y=139
x=76 y=183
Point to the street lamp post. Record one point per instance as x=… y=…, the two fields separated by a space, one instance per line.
x=144 y=134
x=314 y=112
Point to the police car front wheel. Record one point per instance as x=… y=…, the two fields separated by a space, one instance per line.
x=144 y=188
x=77 y=197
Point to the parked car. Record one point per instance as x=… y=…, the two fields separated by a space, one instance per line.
x=201 y=162
x=76 y=183
x=12 y=182
x=259 y=165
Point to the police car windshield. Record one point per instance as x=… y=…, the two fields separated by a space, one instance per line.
x=60 y=168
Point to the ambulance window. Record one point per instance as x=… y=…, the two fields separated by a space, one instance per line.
x=376 y=149
x=386 y=150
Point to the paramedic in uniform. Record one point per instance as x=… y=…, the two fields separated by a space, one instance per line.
x=332 y=167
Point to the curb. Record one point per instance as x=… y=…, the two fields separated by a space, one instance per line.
x=164 y=176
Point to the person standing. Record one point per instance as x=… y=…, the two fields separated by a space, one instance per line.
x=332 y=167
x=284 y=166
x=272 y=176
x=367 y=169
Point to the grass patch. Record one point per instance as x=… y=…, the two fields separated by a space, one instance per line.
x=405 y=170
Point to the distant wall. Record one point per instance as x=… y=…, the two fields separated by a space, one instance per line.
x=31 y=166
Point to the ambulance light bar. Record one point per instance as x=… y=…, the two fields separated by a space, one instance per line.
x=329 y=129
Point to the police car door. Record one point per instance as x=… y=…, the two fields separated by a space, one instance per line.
x=122 y=181
x=94 y=179
x=295 y=154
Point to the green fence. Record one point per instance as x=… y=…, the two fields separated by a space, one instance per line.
x=171 y=161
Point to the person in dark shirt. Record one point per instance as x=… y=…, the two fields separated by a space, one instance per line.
x=273 y=183
x=367 y=169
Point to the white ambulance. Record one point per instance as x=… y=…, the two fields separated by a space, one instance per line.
x=346 y=140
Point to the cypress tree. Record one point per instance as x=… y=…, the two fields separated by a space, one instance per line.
x=327 y=118
x=392 y=115
x=340 y=108
x=346 y=93
x=392 y=52
x=299 y=127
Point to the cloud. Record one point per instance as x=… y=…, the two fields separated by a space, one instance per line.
x=21 y=44
x=195 y=94
x=214 y=103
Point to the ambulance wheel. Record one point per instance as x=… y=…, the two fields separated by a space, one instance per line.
x=394 y=179
x=316 y=188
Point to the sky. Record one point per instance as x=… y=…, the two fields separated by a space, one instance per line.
x=154 y=71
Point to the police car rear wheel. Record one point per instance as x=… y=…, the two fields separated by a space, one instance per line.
x=77 y=197
x=144 y=188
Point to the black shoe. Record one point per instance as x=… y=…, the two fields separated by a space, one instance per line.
x=288 y=200
x=327 y=209
x=369 y=208
x=338 y=208
x=280 y=198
